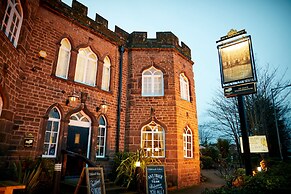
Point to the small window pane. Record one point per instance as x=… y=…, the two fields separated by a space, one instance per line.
x=47 y=137
x=54 y=113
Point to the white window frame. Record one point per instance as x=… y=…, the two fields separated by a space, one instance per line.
x=63 y=63
x=155 y=132
x=100 y=137
x=184 y=87
x=89 y=57
x=106 y=74
x=53 y=121
x=187 y=142
x=154 y=75
x=11 y=25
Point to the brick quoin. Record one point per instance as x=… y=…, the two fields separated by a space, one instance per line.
x=29 y=87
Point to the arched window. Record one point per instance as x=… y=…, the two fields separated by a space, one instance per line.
x=101 y=138
x=152 y=82
x=12 y=20
x=86 y=67
x=188 y=143
x=106 y=74
x=153 y=140
x=184 y=87
x=51 y=136
x=63 y=59
x=1 y=104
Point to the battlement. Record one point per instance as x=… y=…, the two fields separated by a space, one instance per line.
x=78 y=12
x=163 y=40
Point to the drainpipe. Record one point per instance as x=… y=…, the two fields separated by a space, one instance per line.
x=121 y=51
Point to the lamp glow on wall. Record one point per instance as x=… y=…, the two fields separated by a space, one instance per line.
x=72 y=98
x=42 y=54
x=103 y=107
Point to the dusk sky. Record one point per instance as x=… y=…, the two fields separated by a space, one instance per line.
x=199 y=24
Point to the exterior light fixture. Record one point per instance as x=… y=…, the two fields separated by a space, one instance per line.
x=72 y=98
x=103 y=107
x=42 y=54
x=137 y=164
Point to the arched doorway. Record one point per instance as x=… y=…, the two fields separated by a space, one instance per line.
x=78 y=141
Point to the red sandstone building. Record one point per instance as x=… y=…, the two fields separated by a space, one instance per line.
x=51 y=53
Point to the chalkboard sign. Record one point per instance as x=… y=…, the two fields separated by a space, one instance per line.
x=156 y=180
x=94 y=180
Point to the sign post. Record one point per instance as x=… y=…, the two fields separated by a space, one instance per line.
x=238 y=78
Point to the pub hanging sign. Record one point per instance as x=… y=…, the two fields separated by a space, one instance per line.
x=28 y=140
x=237 y=66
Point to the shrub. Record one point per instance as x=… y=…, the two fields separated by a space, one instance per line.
x=271 y=181
x=207 y=162
x=127 y=172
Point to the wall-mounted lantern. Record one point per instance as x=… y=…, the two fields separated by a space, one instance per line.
x=103 y=107
x=72 y=98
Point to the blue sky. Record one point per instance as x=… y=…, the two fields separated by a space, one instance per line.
x=199 y=24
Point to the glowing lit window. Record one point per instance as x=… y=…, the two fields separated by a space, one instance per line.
x=153 y=140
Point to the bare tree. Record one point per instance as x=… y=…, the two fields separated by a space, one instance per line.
x=259 y=110
x=206 y=135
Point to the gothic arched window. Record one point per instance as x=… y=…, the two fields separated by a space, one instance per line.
x=86 y=67
x=188 y=143
x=51 y=136
x=101 y=138
x=12 y=20
x=153 y=140
x=184 y=87
x=106 y=74
x=63 y=59
x=152 y=82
